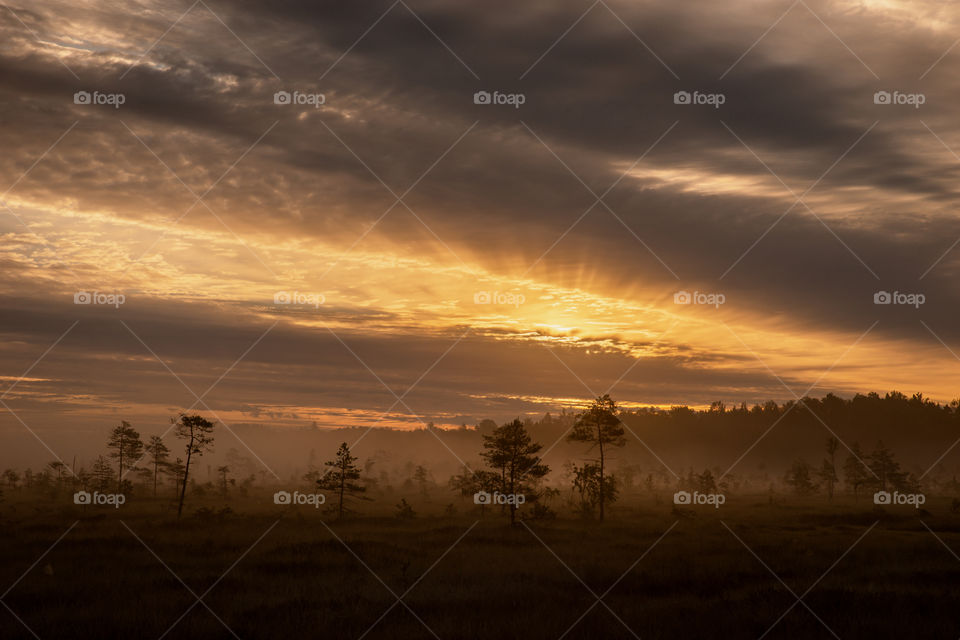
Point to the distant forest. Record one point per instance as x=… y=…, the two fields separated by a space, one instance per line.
x=587 y=459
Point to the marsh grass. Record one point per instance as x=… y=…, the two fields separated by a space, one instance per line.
x=300 y=580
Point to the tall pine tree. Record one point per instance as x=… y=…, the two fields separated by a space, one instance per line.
x=511 y=451
x=126 y=448
x=341 y=478
x=600 y=427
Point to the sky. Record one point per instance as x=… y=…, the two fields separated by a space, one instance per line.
x=394 y=213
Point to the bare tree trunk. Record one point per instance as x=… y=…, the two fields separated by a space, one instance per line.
x=120 y=472
x=603 y=497
x=343 y=481
x=186 y=472
x=513 y=492
x=833 y=472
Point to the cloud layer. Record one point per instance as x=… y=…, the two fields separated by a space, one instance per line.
x=400 y=201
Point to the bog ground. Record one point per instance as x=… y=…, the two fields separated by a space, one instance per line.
x=258 y=572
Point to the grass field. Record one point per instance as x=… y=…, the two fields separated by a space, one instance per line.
x=136 y=572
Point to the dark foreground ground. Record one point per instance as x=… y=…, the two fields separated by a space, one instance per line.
x=802 y=571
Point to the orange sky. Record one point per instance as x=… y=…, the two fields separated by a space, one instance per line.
x=488 y=259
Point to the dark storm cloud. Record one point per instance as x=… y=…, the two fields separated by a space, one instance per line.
x=599 y=98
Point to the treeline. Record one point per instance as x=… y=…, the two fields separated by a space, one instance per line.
x=128 y=458
x=893 y=416
x=601 y=444
x=913 y=421
x=513 y=476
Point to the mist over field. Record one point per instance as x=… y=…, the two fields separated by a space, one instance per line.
x=762 y=440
